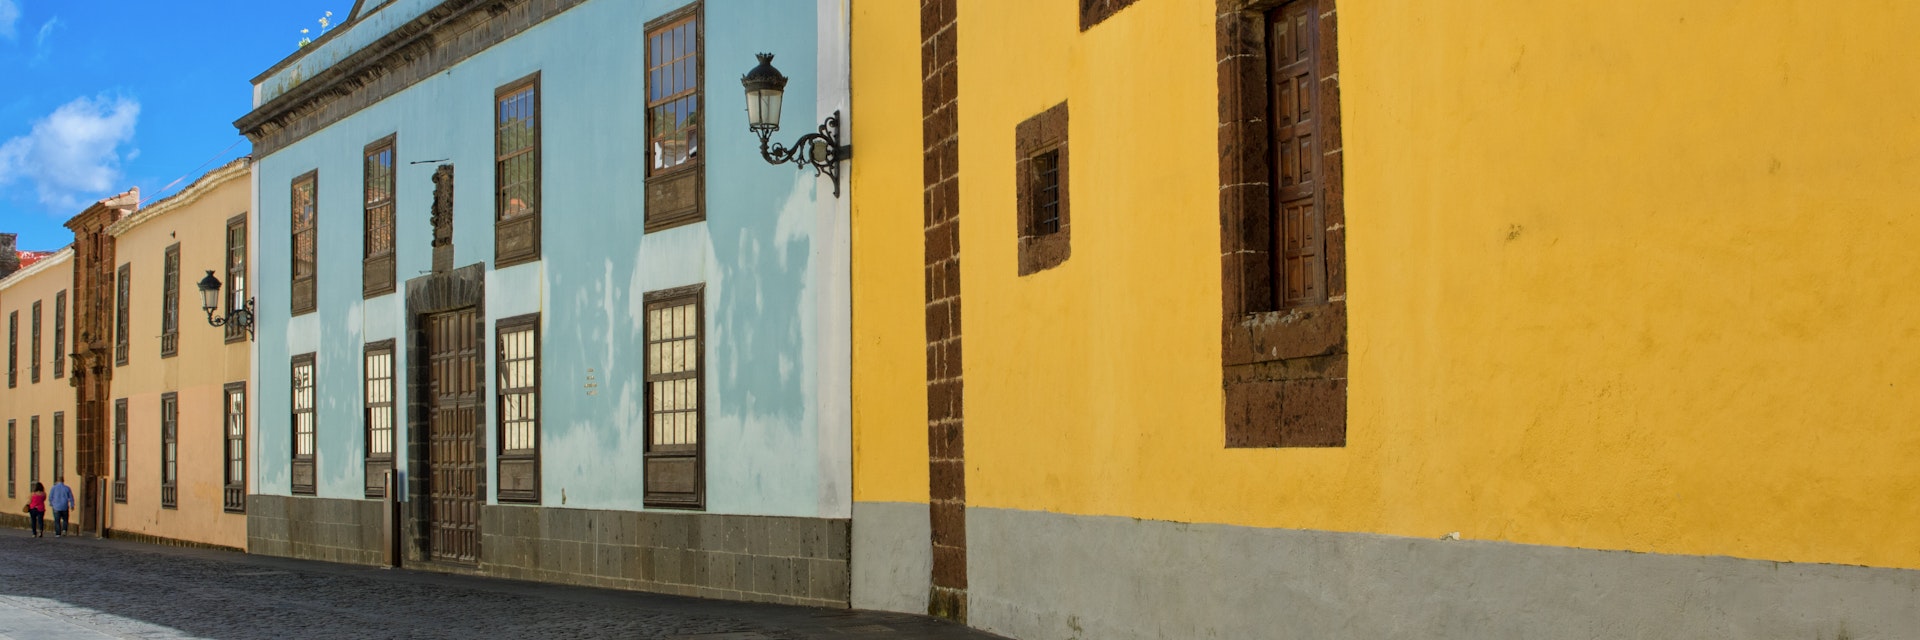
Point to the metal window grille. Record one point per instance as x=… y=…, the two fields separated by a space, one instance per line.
x=33 y=346
x=235 y=498
x=519 y=393
x=120 y=451
x=59 y=445
x=170 y=303
x=123 y=320
x=169 y=450
x=60 y=335
x=1046 y=174
x=236 y=274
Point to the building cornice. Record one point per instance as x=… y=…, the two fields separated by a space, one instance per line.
x=437 y=39
x=192 y=193
x=58 y=258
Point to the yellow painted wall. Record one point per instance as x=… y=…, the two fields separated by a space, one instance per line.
x=204 y=364
x=27 y=399
x=1623 y=275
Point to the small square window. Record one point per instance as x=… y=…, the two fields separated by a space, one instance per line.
x=1042 y=193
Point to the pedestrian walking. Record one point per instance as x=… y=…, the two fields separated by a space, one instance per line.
x=60 y=499
x=37 y=508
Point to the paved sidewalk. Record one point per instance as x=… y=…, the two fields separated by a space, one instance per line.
x=78 y=587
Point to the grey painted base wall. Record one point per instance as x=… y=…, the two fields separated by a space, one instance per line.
x=330 y=529
x=892 y=560
x=1048 y=576
x=754 y=558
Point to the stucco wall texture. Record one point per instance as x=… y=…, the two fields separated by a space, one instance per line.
x=1623 y=276
x=771 y=252
x=39 y=282
x=204 y=363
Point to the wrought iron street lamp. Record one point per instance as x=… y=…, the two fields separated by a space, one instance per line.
x=210 y=302
x=820 y=150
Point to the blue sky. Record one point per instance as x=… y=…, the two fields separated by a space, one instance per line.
x=100 y=96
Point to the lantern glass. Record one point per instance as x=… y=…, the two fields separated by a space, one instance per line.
x=763 y=109
x=209 y=293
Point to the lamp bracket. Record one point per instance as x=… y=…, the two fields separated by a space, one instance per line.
x=798 y=154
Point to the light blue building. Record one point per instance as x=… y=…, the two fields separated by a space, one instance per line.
x=527 y=255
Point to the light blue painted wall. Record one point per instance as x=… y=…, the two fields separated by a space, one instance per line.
x=771 y=254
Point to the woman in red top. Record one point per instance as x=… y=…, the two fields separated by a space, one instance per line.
x=37 y=508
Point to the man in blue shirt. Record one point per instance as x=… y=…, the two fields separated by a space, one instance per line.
x=60 y=500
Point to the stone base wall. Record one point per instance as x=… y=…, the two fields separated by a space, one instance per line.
x=1050 y=576
x=755 y=558
x=892 y=562
x=330 y=529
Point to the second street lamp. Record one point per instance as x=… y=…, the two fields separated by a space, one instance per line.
x=210 y=302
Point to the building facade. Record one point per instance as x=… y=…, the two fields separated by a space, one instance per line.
x=37 y=404
x=179 y=393
x=508 y=256
x=1368 y=320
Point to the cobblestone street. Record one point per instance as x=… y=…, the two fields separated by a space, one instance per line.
x=78 y=587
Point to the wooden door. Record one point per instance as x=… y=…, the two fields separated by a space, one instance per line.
x=455 y=465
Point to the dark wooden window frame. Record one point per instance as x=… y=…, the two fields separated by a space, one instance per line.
x=59 y=445
x=678 y=195
x=170 y=302
x=377 y=463
x=1284 y=367
x=60 y=334
x=303 y=472
x=120 y=451
x=304 y=294
x=238 y=287
x=234 y=453
x=13 y=458
x=655 y=453
x=13 y=349
x=1041 y=161
x=33 y=345
x=33 y=450
x=123 y=316
x=516 y=240
x=519 y=469
x=377 y=263
x=170 y=450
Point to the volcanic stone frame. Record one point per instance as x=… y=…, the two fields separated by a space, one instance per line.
x=946 y=420
x=1040 y=192
x=1283 y=222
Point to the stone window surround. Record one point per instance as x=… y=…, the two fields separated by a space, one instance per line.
x=1283 y=370
x=1040 y=134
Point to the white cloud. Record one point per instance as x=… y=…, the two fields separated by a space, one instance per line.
x=40 y=48
x=9 y=14
x=73 y=155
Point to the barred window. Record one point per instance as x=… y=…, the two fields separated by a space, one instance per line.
x=305 y=208
x=33 y=346
x=303 y=424
x=235 y=499
x=59 y=445
x=518 y=350
x=120 y=451
x=13 y=349
x=123 y=318
x=170 y=303
x=60 y=335
x=674 y=449
x=236 y=274
x=516 y=172
x=33 y=450
x=377 y=201
x=378 y=389
x=169 y=450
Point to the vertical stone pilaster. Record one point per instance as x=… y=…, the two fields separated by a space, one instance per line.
x=946 y=433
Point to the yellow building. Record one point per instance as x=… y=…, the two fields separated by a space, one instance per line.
x=37 y=403
x=177 y=422
x=1597 y=328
